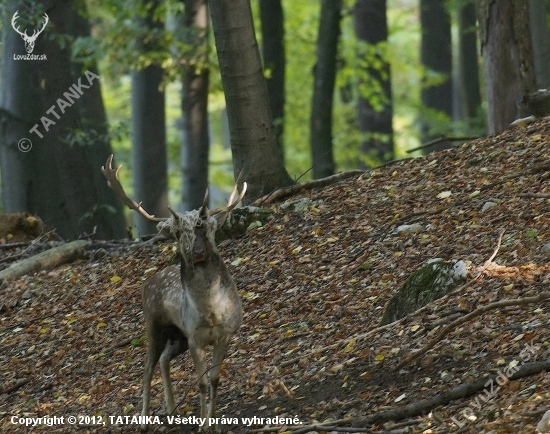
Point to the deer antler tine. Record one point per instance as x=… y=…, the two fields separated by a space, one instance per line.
x=114 y=184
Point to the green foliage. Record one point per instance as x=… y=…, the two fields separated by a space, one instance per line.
x=114 y=45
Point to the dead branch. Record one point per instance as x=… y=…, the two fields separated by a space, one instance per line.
x=439 y=140
x=45 y=260
x=446 y=330
x=18 y=384
x=315 y=183
x=416 y=408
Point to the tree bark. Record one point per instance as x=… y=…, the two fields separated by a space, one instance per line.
x=507 y=58
x=436 y=56
x=273 y=52
x=54 y=179
x=541 y=42
x=468 y=65
x=253 y=141
x=149 y=165
x=323 y=89
x=374 y=108
x=195 y=81
x=94 y=120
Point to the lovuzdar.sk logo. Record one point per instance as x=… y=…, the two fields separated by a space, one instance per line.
x=29 y=40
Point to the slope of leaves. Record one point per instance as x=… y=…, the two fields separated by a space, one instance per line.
x=313 y=285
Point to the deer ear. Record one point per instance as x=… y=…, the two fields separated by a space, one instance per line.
x=220 y=219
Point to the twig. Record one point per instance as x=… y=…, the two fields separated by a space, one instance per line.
x=439 y=140
x=10 y=245
x=497 y=248
x=15 y=386
x=446 y=330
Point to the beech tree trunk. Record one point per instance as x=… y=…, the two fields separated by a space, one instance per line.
x=374 y=109
x=195 y=81
x=149 y=165
x=541 y=42
x=468 y=66
x=273 y=53
x=507 y=58
x=436 y=53
x=51 y=175
x=94 y=120
x=323 y=89
x=253 y=141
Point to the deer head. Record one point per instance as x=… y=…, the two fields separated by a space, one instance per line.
x=29 y=40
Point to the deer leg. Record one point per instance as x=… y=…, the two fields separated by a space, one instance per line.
x=198 y=355
x=171 y=350
x=220 y=350
x=157 y=342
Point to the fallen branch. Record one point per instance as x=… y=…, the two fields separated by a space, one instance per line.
x=439 y=140
x=459 y=392
x=315 y=183
x=45 y=260
x=18 y=384
x=360 y=424
x=446 y=330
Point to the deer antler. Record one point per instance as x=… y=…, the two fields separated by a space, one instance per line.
x=47 y=19
x=13 y=20
x=230 y=204
x=113 y=182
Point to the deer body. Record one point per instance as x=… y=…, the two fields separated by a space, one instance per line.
x=189 y=307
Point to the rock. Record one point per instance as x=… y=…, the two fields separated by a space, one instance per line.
x=546 y=248
x=544 y=424
x=487 y=205
x=410 y=229
x=297 y=205
x=430 y=282
x=240 y=220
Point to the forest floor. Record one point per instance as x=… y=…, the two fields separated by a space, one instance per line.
x=314 y=286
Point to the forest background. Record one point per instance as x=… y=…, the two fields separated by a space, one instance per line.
x=413 y=65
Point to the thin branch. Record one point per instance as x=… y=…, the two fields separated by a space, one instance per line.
x=441 y=139
x=315 y=183
x=446 y=330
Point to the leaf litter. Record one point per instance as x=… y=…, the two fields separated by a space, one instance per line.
x=314 y=285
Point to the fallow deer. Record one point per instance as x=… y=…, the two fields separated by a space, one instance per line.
x=190 y=308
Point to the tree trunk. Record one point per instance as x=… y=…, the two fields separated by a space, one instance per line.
x=323 y=89
x=541 y=42
x=253 y=141
x=374 y=107
x=273 y=51
x=507 y=58
x=195 y=79
x=94 y=121
x=436 y=53
x=468 y=66
x=54 y=179
x=149 y=136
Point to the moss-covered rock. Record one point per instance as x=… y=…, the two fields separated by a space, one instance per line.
x=240 y=219
x=430 y=282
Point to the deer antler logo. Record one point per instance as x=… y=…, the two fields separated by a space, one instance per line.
x=29 y=40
